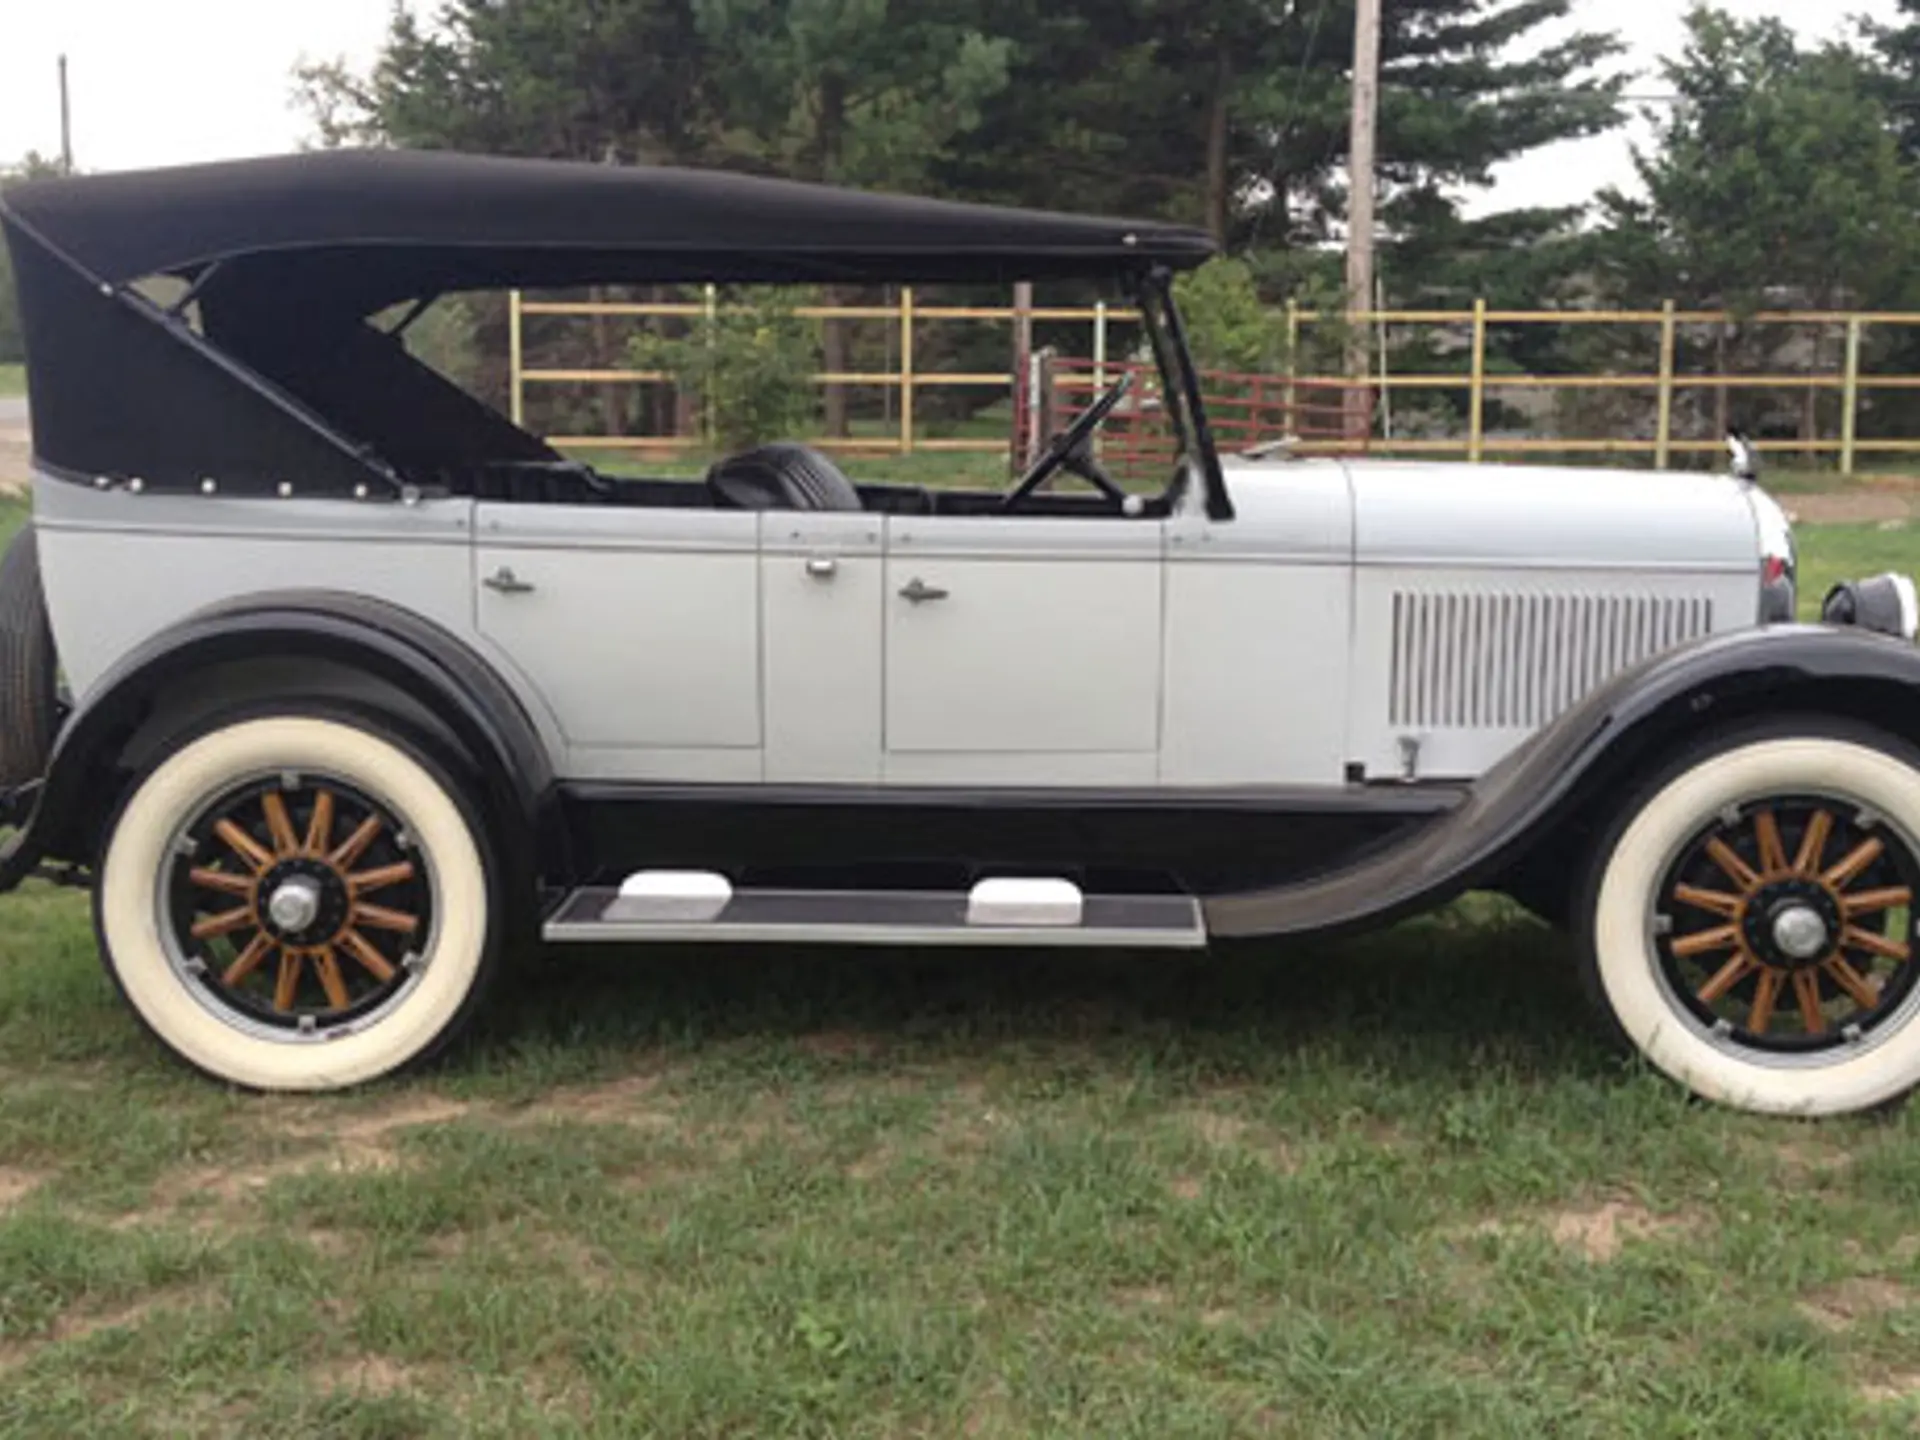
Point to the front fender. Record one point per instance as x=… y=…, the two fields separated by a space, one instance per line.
x=498 y=743
x=1572 y=774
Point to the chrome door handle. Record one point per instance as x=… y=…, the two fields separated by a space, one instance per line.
x=918 y=592
x=823 y=567
x=506 y=582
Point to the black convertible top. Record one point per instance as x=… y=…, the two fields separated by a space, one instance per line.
x=276 y=376
x=443 y=221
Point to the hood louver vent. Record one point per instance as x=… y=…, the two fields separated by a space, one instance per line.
x=1517 y=661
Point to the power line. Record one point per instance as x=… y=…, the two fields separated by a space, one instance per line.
x=1290 y=124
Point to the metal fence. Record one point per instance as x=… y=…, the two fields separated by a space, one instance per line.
x=1462 y=338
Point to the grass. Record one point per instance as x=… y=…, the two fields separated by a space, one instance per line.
x=13 y=379
x=1395 y=1185
x=1390 y=1186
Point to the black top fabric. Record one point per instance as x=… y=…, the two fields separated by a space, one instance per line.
x=388 y=223
x=280 y=382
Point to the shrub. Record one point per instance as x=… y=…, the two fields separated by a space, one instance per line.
x=749 y=368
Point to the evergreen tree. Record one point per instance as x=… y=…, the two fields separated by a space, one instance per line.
x=1776 y=180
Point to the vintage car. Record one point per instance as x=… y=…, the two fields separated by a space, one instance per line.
x=336 y=686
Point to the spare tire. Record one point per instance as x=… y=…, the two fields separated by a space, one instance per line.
x=29 y=696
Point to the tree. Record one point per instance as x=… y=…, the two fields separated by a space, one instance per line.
x=1235 y=113
x=558 y=79
x=750 y=367
x=12 y=343
x=1778 y=172
x=868 y=92
x=1777 y=178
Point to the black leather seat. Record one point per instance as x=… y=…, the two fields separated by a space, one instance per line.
x=781 y=477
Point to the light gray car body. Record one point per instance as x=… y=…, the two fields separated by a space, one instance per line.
x=1411 y=621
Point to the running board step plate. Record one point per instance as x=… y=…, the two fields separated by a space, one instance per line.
x=876 y=917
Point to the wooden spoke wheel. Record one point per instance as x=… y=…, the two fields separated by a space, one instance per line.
x=300 y=903
x=1787 y=924
x=1748 y=920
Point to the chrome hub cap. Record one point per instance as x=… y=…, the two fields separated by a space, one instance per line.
x=294 y=904
x=1800 y=933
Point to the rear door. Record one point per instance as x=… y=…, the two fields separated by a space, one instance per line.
x=639 y=628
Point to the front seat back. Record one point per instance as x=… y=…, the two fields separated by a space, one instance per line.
x=781 y=477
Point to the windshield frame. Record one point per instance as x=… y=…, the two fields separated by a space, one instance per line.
x=1180 y=380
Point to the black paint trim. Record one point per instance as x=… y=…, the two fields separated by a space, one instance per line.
x=1551 y=797
x=1159 y=297
x=1201 y=841
x=507 y=764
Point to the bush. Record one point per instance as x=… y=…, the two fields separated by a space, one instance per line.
x=749 y=369
x=1227 y=324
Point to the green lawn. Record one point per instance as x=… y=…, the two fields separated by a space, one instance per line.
x=1389 y=1186
x=13 y=514
x=13 y=379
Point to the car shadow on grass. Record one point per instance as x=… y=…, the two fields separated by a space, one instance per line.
x=1474 y=986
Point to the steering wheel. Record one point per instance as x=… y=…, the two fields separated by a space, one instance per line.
x=1070 y=451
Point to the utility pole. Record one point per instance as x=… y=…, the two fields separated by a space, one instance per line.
x=1361 y=169
x=66 y=123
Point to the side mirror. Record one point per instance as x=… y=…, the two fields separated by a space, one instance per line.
x=1746 y=459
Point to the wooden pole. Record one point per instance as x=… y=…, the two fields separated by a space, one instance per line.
x=1663 y=440
x=906 y=370
x=1022 y=364
x=1850 y=398
x=66 y=122
x=516 y=362
x=1361 y=167
x=1477 y=420
x=1293 y=367
x=1099 y=358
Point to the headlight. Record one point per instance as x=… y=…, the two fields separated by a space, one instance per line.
x=1886 y=603
x=1779 y=560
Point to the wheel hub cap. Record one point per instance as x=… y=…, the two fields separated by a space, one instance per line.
x=295 y=904
x=1800 y=933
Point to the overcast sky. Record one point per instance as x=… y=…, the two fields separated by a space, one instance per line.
x=159 y=82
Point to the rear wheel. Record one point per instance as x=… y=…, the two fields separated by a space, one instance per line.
x=296 y=903
x=28 y=679
x=1750 y=922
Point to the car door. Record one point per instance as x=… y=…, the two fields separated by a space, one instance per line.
x=1023 y=650
x=821 y=577
x=640 y=628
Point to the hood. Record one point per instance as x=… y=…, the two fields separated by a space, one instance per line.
x=1426 y=513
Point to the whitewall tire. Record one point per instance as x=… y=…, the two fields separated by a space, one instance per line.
x=1750 y=923
x=296 y=903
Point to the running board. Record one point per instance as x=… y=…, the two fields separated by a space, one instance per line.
x=874 y=917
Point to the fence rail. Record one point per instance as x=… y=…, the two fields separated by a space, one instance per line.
x=1469 y=330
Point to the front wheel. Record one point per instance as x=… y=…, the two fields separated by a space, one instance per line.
x=296 y=903
x=1750 y=922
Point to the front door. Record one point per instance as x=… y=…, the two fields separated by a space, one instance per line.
x=820 y=595
x=640 y=629
x=1023 y=650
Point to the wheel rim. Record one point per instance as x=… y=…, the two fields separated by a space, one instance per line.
x=297 y=907
x=1785 y=927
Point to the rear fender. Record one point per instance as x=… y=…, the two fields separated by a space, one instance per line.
x=176 y=675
